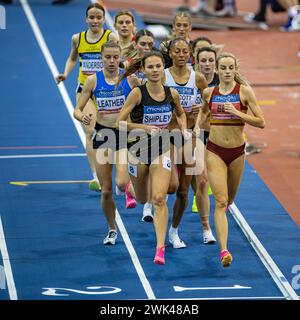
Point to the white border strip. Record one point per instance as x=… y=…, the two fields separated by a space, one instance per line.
x=50 y=155
x=280 y=280
x=66 y=98
x=7 y=267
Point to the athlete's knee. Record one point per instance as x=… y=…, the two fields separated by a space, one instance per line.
x=182 y=194
x=221 y=201
x=202 y=189
x=159 y=200
x=89 y=131
x=106 y=194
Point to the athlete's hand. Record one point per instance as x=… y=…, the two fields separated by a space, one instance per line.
x=229 y=107
x=86 y=119
x=153 y=130
x=60 y=78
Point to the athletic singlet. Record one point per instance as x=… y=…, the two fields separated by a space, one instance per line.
x=215 y=81
x=90 y=60
x=110 y=98
x=217 y=114
x=187 y=92
x=151 y=112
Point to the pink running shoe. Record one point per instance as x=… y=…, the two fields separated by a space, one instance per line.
x=130 y=201
x=226 y=258
x=160 y=256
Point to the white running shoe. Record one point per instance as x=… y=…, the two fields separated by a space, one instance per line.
x=176 y=241
x=147 y=212
x=208 y=237
x=111 y=237
x=119 y=192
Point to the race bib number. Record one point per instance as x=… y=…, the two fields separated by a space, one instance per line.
x=132 y=170
x=167 y=163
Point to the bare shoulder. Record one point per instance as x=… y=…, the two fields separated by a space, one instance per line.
x=136 y=92
x=113 y=37
x=200 y=76
x=90 y=81
x=174 y=93
x=134 y=81
x=246 y=90
x=75 y=38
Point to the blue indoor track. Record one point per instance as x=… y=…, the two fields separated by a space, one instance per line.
x=53 y=226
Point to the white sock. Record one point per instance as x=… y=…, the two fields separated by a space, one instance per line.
x=148 y=205
x=173 y=230
x=292 y=11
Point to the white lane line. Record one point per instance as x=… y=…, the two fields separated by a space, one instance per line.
x=61 y=87
x=235 y=287
x=125 y=236
x=67 y=100
x=23 y=156
x=278 y=277
x=7 y=267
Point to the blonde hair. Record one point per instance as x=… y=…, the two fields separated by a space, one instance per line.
x=237 y=77
x=181 y=14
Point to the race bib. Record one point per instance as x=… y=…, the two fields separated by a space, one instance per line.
x=187 y=98
x=91 y=63
x=157 y=115
x=167 y=163
x=132 y=170
x=110 y=105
